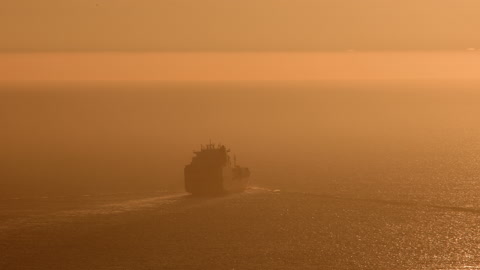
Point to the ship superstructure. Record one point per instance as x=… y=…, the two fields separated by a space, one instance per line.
x=211 y=172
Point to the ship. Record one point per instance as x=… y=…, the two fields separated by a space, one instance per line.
x=212 y=172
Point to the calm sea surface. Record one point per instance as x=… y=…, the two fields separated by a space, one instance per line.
x=344 y=176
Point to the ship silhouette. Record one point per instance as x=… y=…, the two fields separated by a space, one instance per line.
x=211 y=172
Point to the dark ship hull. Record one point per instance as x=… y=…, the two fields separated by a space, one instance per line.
x=211 y=173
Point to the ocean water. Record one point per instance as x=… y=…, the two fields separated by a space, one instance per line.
x=371 y=175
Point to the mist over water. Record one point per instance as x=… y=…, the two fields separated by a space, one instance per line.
x=399 y=141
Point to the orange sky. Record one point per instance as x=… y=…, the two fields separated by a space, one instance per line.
x=240 y=66
x=242 y=25
x=180 y=40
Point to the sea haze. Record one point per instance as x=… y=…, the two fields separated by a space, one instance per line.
x=358 y=175
x=376 y=139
